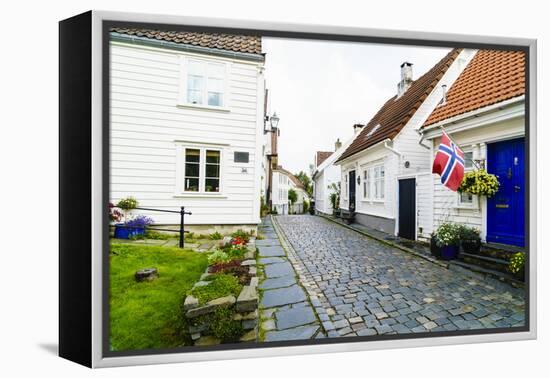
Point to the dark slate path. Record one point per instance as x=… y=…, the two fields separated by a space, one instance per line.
x=360 y=286
x=286 y=312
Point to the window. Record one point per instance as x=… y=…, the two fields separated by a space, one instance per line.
x=205 y=82
x=374 y=183
x=468 y=160
x=465 y=199
x=199 y=169
x=192 y=170
x=345 y=185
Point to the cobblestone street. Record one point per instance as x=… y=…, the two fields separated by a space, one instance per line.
x=359 y=286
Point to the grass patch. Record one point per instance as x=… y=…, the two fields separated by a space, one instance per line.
x=148 y=314
x=221 y=285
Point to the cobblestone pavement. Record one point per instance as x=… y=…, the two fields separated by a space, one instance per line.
x=286 y=312
x=362 y=287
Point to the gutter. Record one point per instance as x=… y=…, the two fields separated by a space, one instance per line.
x=387 y=146
x=347 y=159
x=143 y=41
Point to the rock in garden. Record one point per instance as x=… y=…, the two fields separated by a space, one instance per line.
x=207 y=340
x=249 y=336
x=147 y=274
x=247 y=300
x=190 y=302
x=211 y=306
x=248 y=262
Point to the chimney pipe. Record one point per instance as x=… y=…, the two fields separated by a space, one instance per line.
x=406 y=78
x=337 y=145
x=444 y=90
x=357 y=127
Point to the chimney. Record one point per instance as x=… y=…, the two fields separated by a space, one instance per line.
x=337 y=145
x=358 y=127
x=406 y=78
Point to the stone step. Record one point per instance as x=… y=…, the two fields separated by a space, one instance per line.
x=486 y=262
x=501 y=276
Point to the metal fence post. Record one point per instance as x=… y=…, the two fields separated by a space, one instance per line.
x=182 y=213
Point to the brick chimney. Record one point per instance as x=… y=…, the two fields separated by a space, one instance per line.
x=406 y=78
x=337 y=145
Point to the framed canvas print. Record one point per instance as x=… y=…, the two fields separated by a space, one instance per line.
x=253 y=189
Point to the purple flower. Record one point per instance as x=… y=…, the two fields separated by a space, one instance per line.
x=140 y=221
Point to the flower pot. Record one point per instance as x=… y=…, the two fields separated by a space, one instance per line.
x=123 y=232
x=435 y=249
x=471 y=246
x=449 y=252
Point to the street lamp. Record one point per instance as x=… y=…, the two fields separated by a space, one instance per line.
x=273 y=122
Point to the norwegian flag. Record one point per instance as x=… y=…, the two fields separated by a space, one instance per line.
x=449 y=163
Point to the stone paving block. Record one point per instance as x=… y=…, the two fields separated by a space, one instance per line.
x=294 y=317
x=279 y=270
x=283 y=296
x=279 y=282
x=298 y=333
x=272 y=251
x=272 y=260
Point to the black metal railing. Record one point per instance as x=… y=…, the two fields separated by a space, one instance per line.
x=181 y=230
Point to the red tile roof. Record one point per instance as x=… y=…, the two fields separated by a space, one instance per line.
x=396 y=112
x=321 y=156
x=491 y=76
x=232 y=42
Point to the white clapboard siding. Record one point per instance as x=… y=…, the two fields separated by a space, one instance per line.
x=147 y=122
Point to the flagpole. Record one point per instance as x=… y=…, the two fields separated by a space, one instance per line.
x=452 y=140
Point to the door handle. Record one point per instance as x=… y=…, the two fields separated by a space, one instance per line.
x=516 y=188
x=509 y=173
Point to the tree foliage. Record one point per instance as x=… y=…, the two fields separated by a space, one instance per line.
x=292 y=196
x=306 y=181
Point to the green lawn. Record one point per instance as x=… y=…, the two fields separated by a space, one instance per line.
x=148 y=314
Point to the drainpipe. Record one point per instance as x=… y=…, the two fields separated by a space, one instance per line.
x=420 y=142
x=399 y=154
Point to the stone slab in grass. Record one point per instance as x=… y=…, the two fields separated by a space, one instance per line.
x=283 y=296
x=294 y=317
x=271 y=251
x=271 y=260
x=298 y=333
x=267 y=242
x=276 y=283
x=279 y=270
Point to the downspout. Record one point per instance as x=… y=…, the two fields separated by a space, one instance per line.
x=399 y=154
x=420 y=142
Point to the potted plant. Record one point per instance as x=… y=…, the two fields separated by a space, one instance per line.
x=126 y=205
x=334 y=197
x=434 y=248
x=447 y=237
x=516 y=265
x=470 y=239
x=479 y=182
x=132 y=228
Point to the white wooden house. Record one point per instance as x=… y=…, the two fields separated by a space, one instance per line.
x=484 y=113
x=386 y=172
x=186 y=126
x=282 y=182
x=327 y=173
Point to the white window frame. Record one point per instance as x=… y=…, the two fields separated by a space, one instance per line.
x=346 y=188
x=370 y=182
x=474 y=203
x=182 y=97
x=181 y=147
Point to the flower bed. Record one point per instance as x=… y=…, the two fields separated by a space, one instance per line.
x=223 y=306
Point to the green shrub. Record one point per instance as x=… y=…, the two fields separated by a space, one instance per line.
x=517 y=263
x=468 y=233
x=305 y=206
x=220 y=324
x=220 y=286
x=218 y=256
x=189 y=235
x=215 y=236
x=292 y=196
x=241 y=234
x=127 y=203
x=157 y=235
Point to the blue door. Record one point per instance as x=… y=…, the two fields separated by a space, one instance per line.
x=506 y=209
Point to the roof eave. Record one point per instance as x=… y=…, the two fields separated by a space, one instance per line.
x=144 y=41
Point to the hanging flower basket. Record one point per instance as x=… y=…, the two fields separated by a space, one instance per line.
x=479 y=183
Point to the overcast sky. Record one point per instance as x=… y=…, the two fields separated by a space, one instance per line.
x=319 y=89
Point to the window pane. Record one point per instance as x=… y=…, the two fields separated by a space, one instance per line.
x=212 y=185
x=468 y=159
x=194 y=97
x=382 y=188
x=215 y=85
x=192 y=184
x=192 y=170
x=192 y=155
x=213 y=157
x=212 y=170
x=466 y=198
x=195 y=82
x=215 y=99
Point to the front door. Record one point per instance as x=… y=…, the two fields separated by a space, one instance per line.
x=506 y=209
x=407 y=208
x=351 y=190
